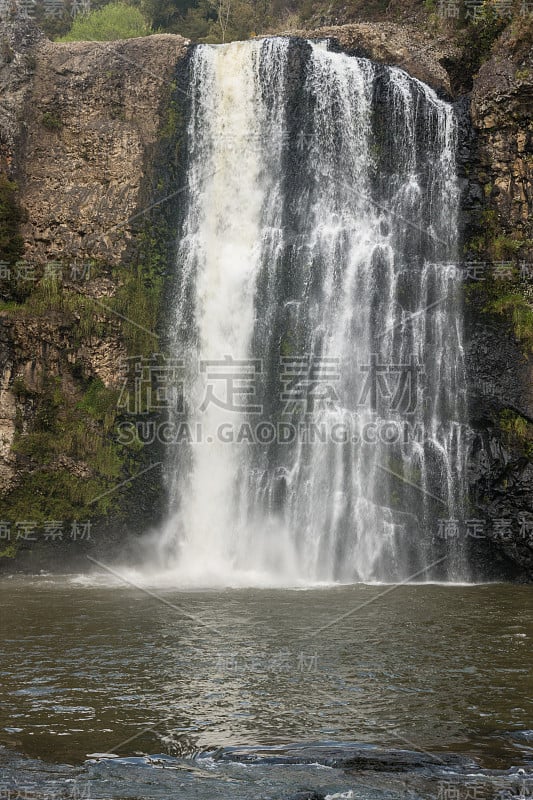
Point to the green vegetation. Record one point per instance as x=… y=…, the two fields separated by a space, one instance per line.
x=138 y=301
x=518 y=432
x=134 y=309
x=113 y=21
x=480 y=35
x=504 y=247
x=488 y=224
x=66 y=430
x=100 y=403
x=50 y=296
x=286 y=347
x=493 y=243
x=515 y=307
x=172 y=122
x=51 y=121
x=11 y=217
x=506 y=294
x=70 y=455
x=8 y=552
x=66 y=436
x=215 y=21
x=57 y=494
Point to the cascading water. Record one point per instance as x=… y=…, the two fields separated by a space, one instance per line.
x=318 y=316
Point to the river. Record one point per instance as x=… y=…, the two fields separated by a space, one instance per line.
x=276 y=679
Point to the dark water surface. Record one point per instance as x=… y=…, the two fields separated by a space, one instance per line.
x=109 y=669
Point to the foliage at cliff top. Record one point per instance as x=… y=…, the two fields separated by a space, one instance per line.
x=215 y=21
x=114 y=21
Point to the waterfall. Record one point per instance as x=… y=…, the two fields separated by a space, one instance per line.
x=317 y=313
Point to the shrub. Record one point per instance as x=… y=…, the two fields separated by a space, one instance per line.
x=518 y=432
x=51 y=121
x=515 y=307
x=114 y=21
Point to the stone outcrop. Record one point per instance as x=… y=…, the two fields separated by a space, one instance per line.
x=17 y=64
x=90 y=128
x=502 y=99
x=419 y=53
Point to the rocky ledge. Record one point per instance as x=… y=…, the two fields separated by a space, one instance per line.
x=424 y=56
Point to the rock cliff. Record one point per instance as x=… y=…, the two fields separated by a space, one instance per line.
x=499 y=254
x=84 y=131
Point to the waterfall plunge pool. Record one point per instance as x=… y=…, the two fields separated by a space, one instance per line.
x=263 y=693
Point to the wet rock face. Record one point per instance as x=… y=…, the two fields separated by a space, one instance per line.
x=498 y=188
x=499 y=378
x=500 y=475
x=307 y=795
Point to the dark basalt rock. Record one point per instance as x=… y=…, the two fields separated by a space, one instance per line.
x=350 y=757
x=307 y=795
x=499 y=374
